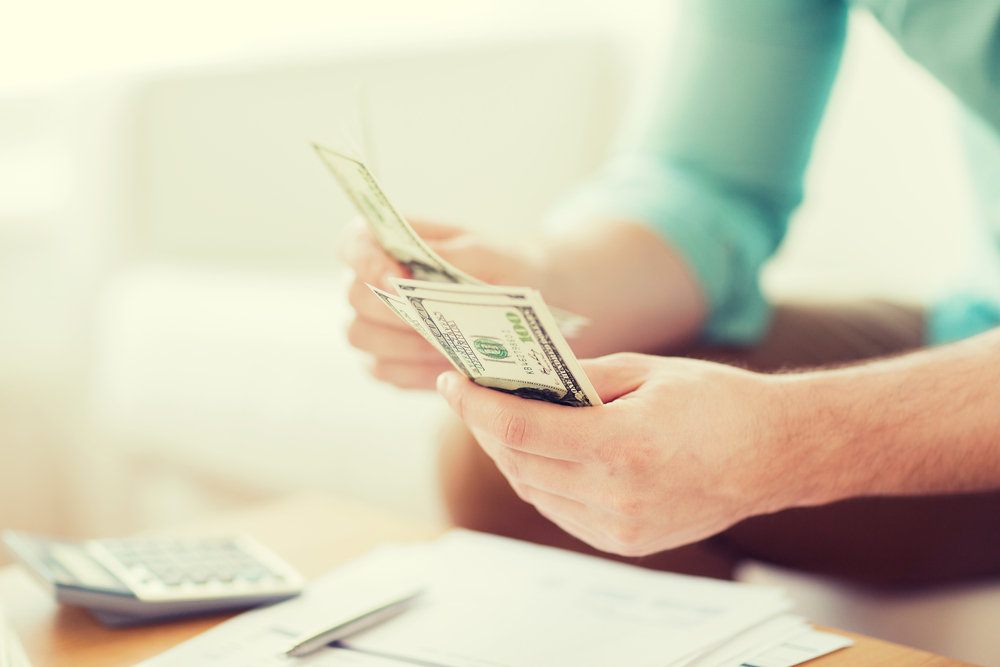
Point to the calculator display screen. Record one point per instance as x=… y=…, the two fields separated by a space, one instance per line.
x=88 y=572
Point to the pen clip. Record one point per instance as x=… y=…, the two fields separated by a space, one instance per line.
x=368 y=617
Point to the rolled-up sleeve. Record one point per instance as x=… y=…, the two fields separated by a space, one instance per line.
x=713 y=158
x=958 y=41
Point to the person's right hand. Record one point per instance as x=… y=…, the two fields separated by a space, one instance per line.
x=680 y=450
x=399 y=355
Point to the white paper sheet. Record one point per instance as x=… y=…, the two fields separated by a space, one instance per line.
x=499 y=603
x=750 y=643
x=806 y=646
x=492 y=602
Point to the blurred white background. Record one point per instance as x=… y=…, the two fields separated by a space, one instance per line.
x=171 y=311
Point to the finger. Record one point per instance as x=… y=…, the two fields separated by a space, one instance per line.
x=389 y=343
x=617 y=375
x=468 y=253
x=599 y=529
x=408 y=376
x=433 y=231
x=370 y=263
x=572 y=517
x=581 y=533
x=369 y=307
x=565 y=478
x=554 y=431
x=355 y=242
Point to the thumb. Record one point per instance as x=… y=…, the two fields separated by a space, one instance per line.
x=490 y=262
x=467 y=252
x=616 y=375
x=536 y=427
x=434 y=231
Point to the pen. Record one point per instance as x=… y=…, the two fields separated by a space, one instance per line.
x=362 y=619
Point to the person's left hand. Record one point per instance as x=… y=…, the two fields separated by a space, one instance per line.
x=399 y=355
x=681 y=450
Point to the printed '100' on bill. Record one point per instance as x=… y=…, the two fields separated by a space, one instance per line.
x=499 y=337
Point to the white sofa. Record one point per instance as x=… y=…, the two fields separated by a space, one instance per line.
x=176 y=312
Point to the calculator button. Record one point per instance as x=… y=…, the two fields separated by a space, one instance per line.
x=195 y=569
x=163 y=572
x=199 y=576
x=172 y=579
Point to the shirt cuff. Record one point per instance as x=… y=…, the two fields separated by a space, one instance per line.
x=961 y=316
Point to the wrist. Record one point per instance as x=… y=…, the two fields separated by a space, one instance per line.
x=808 y=434
x=921 y=423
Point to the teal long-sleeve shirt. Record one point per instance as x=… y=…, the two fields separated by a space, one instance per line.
x=715 y=159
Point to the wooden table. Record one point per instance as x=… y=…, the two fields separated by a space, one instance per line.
x=314 y=533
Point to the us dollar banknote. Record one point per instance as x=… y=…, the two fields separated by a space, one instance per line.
x=503 y=338
x=390 y=229
x=399 y=239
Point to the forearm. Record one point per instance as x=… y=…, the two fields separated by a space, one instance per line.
x=638 y=291
x=923 y=423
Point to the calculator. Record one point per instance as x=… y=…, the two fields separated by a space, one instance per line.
x=141 y=580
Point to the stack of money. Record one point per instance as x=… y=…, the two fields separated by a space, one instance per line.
x=504 y=338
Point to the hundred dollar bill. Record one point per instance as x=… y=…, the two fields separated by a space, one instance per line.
x=390 y=229
x=503 y=338
x=488 y=296
x=398 y=238
x=402 y=308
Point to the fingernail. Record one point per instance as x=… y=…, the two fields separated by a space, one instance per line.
x=387 y=278
x=444 y=383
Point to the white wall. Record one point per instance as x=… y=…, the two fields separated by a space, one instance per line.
x=51 y=40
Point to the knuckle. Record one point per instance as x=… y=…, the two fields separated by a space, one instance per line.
x=357 y=335
x=382 y=371
x=522 y=491
x=511 y=426
x=628 y=458
x=358 y=294
x=627 y=505
x=416 y=376
x=608 y=455
x=408 y=382
x=626 y=359
x=635 y=551
x=507 y=461
x=636 y=460
x=391 y=373
x=628 y=538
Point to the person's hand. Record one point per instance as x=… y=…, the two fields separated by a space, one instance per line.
x=681 y=450
x=399 y=355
